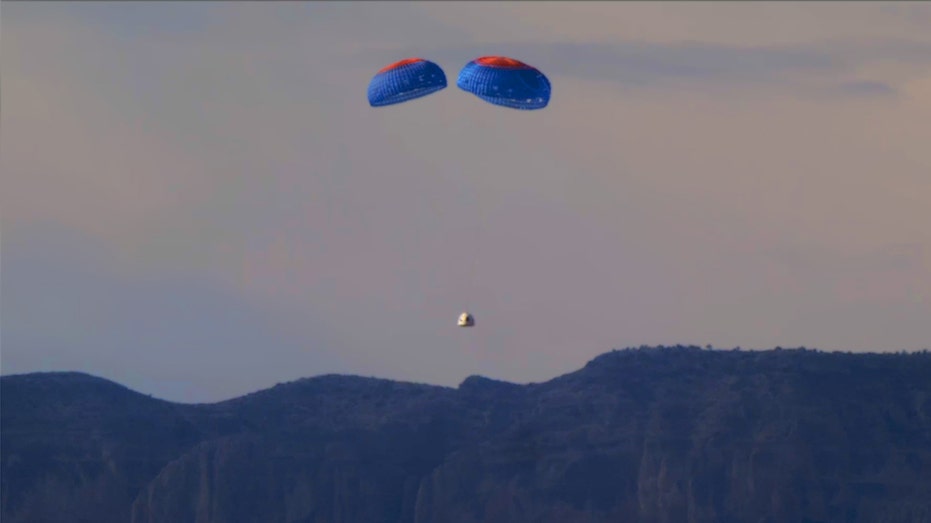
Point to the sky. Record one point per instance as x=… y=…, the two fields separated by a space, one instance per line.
x=198 y=202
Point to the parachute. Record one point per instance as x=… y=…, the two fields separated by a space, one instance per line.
x=405 y=80
x=498 y=80
x=507 y=82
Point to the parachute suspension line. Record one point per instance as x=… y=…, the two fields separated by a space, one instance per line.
x=478 y=228
x=503 y=82
x=472 y=180
x=497 y=80
x=468 y=180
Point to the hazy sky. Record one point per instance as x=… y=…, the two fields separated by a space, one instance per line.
x=198 y=202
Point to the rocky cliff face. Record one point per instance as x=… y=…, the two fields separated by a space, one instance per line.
x=647 y=435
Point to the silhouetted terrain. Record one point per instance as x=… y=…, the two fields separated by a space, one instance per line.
x=667 y=435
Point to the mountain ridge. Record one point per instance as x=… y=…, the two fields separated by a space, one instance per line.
x=666 y=434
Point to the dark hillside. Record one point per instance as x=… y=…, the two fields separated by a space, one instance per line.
x=671 y=435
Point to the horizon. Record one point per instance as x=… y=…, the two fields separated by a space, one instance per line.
x=198 y=200
x=457 y=386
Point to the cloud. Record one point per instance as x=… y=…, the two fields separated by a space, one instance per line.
x=129 y=21
x=68 y=306
x=917 y=13
x=868 y=89
x=637 y=64
x=727 y=23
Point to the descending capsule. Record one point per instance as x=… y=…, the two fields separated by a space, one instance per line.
x=466 y=320
x=506 y=82
x=405 y=80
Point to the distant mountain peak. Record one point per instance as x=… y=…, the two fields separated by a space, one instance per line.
x=477 y=384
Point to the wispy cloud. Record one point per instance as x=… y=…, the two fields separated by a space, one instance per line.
x=918 y=13
x=645 y=64
x=69 y=305
x=868 y=89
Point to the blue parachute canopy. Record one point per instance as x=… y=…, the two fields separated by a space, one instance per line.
x=506 y=82
x=405 y=80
